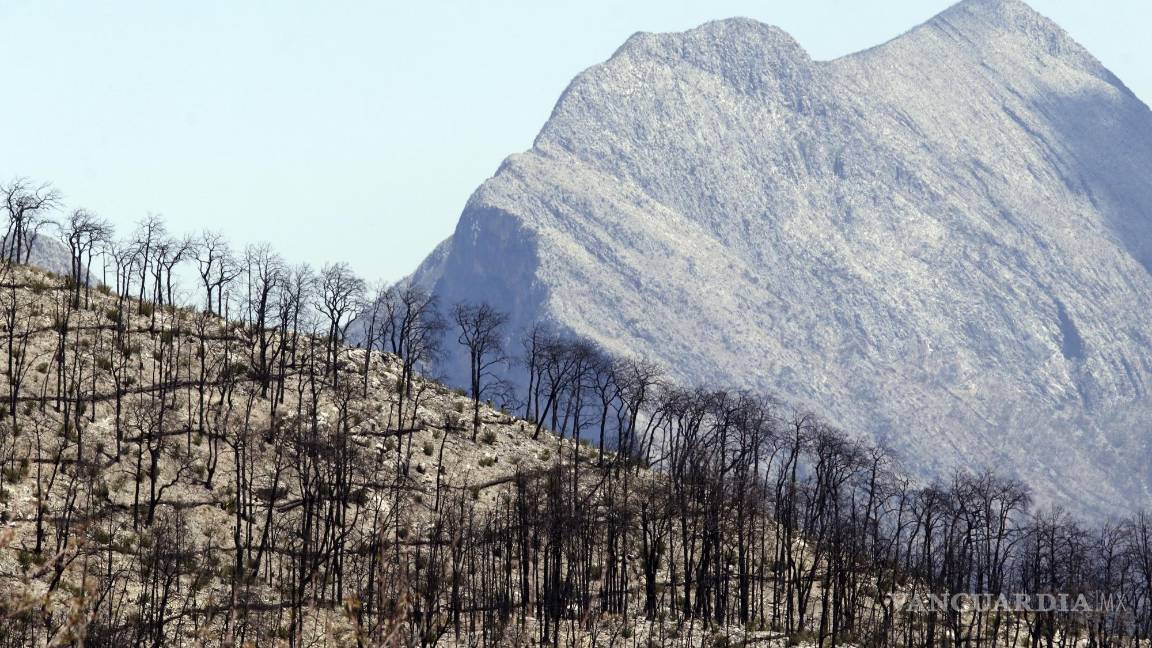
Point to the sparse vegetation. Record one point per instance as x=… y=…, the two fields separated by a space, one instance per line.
x=171 y=477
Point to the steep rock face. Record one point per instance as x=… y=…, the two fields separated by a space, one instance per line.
x=944 y=242
x=50 y=254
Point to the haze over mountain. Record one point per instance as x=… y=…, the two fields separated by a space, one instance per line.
x=943 y=242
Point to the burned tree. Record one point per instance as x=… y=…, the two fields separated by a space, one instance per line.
x=481 y=332
x=83 y=233
x=341 y=293
x=27 y=207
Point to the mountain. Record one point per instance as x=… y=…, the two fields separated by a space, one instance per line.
x=943 y=242
x=49 y=254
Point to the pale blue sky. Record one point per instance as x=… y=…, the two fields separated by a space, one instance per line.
x=357 y=130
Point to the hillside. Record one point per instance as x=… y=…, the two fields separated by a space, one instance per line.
x=941 y=243
x=129 y=476
x=168 y=477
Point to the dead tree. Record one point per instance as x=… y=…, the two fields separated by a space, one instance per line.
x=27 y=207
x=341 y=293
x=83 y=233
x=482 y=333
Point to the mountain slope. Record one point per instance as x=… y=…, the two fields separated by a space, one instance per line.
x=158 y=486
x=944 y=242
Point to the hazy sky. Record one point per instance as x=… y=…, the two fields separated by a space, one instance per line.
x=357 y=130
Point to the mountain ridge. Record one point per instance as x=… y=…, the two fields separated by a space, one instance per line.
x=947 y=231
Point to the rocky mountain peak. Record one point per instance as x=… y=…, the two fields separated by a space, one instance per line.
x=721 y=47
x=986 y=16
x=738 y=56
x=940 y=242
x=996 y=32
